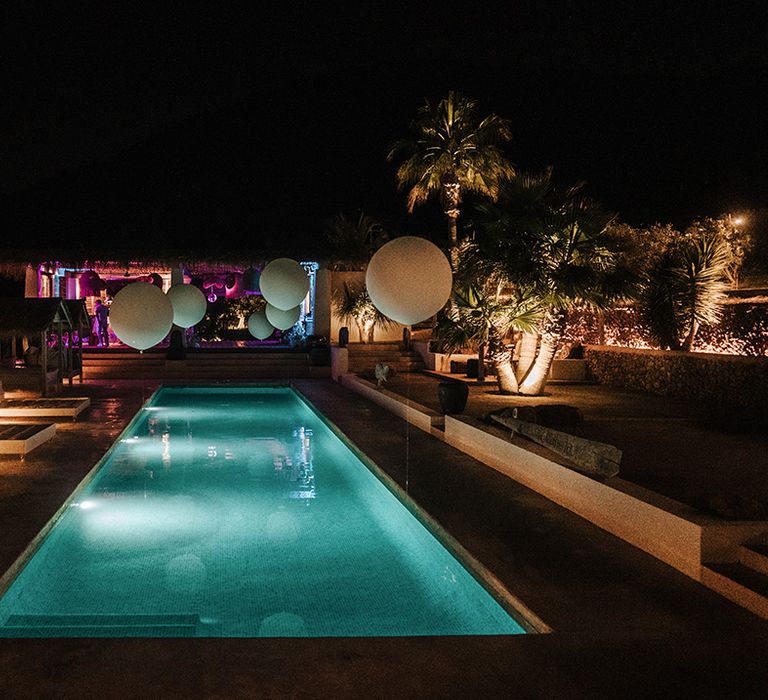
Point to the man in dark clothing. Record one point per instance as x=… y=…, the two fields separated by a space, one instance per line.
x=102 y=324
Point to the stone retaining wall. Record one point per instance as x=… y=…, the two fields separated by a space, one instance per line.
x=724 y=380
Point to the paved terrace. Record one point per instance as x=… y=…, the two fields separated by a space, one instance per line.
x=625 y=625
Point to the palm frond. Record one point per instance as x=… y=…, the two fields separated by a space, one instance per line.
x=449 y=140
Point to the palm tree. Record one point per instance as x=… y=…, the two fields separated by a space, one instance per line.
x=452 y=151
x=554 y=244
x=687 y=288
x=355 y=305
x=486 y=309
x=353 y=240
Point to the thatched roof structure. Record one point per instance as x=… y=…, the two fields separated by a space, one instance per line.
x=19 y=317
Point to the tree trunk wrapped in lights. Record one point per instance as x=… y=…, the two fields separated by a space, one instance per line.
x=450 y=195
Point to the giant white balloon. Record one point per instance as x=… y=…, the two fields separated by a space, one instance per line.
x=284 y=283
x=258 y=326
x=283 y=319
x=409 y=279
x=141 y=315
x=188 y=304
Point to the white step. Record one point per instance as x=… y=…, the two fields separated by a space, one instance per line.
x=739 y=584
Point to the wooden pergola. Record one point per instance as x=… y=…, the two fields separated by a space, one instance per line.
x=34 y=320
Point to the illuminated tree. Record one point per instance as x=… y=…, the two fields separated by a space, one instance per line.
x=352 y=304
x=733 y=240
x=452 y=150
x=555 y=245
x=686 y=288
x=486 y=309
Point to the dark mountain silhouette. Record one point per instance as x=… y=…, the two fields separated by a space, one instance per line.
x=264 y=176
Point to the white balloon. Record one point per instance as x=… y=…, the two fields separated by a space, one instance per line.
x=188 y=304
x=258 y=326
x=141 y=315
x=284 y=283
x=283 y=319
x=409 y=279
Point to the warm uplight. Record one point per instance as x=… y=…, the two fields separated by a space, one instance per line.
x=737 y=219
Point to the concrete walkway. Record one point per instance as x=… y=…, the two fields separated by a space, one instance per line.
x=624 y=624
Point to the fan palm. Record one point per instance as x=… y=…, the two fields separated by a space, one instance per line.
x=485 y=310
x=352 y=304
x=687 y=289
x=452 y=150
x=554 y=244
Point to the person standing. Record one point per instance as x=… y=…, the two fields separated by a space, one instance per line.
x=102 y=323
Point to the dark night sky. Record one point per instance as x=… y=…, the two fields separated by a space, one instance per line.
x=656 y=105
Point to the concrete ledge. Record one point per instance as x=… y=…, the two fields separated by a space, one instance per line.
x=671 y=531
x=339 y=362
x=436 y=361
x=422 y=417
x=668 y=530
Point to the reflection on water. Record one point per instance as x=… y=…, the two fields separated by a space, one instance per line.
x=166 y=439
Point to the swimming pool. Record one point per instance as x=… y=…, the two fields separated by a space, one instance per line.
x=237 y=512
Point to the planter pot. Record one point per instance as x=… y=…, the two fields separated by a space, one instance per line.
x=453 y=396
x=343 y=337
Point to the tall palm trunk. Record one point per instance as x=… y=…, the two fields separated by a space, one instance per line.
x=451 y=198
x=501 y=357
x=529 y=343
x=552 y=331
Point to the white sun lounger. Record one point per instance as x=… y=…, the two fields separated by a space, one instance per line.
x=21 y=438
x=26 y=408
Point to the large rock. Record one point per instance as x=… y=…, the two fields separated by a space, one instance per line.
x=588 y=456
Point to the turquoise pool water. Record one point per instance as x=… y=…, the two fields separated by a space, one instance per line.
x=238 y=513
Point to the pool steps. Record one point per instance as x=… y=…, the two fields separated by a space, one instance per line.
x=148 y=625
